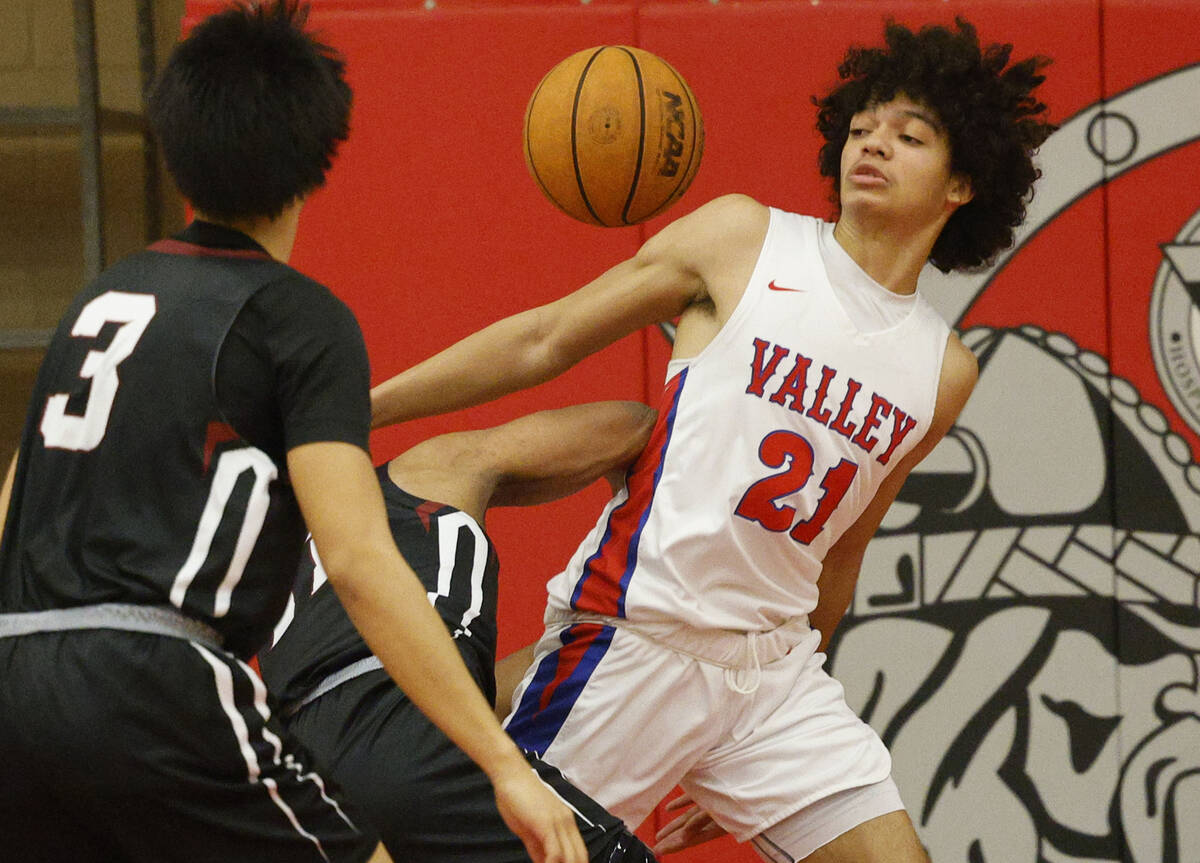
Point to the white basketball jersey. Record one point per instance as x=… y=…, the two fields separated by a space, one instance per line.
x=769 y=444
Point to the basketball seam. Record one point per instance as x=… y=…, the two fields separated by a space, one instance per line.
x=637 y=169
x=575 y=135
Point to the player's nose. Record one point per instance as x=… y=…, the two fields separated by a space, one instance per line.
x=875 y=143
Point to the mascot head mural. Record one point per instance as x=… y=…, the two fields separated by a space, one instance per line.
x=1026 y=631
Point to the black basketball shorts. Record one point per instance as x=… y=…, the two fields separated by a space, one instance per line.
x=427 y=799
x=135 y=747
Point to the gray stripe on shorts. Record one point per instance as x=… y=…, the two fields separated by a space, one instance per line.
x=351 y=671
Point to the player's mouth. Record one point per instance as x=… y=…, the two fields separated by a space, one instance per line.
x=867 y=175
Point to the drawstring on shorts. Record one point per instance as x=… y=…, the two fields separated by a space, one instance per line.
x=733 y=675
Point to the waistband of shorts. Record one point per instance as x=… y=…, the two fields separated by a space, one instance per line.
x=112 y=615
x=735 y=650
x=350 y=672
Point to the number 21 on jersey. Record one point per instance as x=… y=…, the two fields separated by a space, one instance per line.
x=759 y=503
x=61 y=430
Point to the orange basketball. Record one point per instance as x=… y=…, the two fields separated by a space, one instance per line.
x=613 y=135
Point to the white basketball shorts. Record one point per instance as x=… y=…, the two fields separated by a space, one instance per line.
x=754 y=732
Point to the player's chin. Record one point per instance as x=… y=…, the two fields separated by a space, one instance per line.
x=868 y=202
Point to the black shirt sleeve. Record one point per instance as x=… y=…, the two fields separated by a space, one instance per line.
x=296 y=339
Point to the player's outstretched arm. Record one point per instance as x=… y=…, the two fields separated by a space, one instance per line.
x=551 y=454
x=510 y=671
x=536 y=458
x=671 y=272
x=839 y=570
x=343 y=506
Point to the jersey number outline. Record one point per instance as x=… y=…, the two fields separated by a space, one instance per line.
x=450 y=528
x=82 y=433
x=255 y=501
x=759 y=503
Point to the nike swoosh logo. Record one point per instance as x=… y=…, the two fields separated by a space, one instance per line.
x=775 y=287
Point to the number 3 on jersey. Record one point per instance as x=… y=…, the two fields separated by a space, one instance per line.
x=62 y=430
x=759 y=502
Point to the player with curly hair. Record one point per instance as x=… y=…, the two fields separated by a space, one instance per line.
x=808 y=377
x=989 y=113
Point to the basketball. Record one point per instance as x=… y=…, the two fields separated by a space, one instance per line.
x=613 y=135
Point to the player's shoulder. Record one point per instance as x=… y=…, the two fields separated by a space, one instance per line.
x=286 y=279
x=718 y=225
x=735 y=209
x=294 y=297
x=960 y=371
x=962 y=362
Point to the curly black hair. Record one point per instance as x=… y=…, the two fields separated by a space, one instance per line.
x=993 y=121
x=249 y=110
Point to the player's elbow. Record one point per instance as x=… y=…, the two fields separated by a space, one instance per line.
x=642 y=419
x=628 y=430
x=646 y=415
x=547 y=345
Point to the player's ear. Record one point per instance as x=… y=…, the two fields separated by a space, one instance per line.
x=959 y=190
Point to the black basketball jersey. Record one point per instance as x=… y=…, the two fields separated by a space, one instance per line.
x=133 y=484
x=455 y=561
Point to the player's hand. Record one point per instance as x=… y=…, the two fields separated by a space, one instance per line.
x=693 y=826
x=539 y=818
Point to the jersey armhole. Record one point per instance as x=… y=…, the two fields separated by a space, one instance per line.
x=746 y=301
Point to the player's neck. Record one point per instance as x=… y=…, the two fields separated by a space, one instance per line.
x=893 y=258
x=277 y=236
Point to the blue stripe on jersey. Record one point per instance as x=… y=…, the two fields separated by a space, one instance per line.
x=557 y=685
x=637 y=504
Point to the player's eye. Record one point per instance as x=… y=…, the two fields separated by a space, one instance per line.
x=909 y=139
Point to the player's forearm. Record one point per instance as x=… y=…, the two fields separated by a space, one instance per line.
x=507 y=356
x=393 y=615
x=615 y=433
x=536 y=345
x=551 y=454
x=509 y=672
x=6 y=492
x=825 y=619
x=837 y=582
